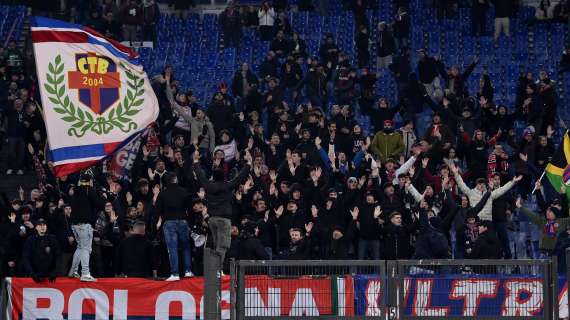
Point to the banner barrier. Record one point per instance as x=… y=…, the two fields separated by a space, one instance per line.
x=461 y=295
x=122 y=298
x=131 y=298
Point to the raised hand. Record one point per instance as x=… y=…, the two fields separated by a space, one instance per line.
x=129 y=197
x=318 y=142
x=377 y=212
x=156 y=190
x=248 y=184
x=279 y=211
x=201 y=194
x=523 y=157
x=445 y=183
x=517 y=178
x=145 y=151
x=354 y=213
x=309 y=227
x=250 y=144
x=247 y=157
x=519 y=202
x=425 y=162
x=453 y=168
x=273 y=176
x=549 y=131
x=196 y=157
x=362 y=181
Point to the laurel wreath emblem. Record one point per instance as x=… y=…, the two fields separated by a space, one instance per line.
x=83 y=120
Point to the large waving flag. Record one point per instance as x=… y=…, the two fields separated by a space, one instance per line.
x=558 y=170
x=95 y=95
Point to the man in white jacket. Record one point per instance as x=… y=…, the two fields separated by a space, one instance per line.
x=266 y=17
x=477 y=193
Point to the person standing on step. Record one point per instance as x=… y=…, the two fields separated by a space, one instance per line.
x=84 y=200
x=171 y=207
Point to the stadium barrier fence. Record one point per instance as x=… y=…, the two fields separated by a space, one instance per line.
x=403 y=289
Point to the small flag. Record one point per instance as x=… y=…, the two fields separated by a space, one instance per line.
x=95 y=95
x=558 y=170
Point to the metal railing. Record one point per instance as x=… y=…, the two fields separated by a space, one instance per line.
x=478 y=279
x=309 y=288
x=404 y=289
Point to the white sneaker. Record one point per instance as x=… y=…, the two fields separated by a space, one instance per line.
x=173 y=278
x=188 y=274
x=20 y=172
x=9 y=171
x=74 y=275
x=87 y=278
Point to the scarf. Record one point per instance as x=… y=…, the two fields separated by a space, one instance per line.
x=550 y=228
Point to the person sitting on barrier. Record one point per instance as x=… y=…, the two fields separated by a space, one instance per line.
x=218 y=195
x=550 y=226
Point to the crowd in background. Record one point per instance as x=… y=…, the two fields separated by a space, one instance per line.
x=277 y=167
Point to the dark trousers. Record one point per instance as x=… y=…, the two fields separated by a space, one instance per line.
x=176 y=237
x=231 y=38
x=16 y=150
x=478 y=22
x=368 y=248
x=502 y=232
x=266 y=33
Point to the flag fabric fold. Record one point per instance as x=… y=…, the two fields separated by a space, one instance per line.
x=95 y=95
x=558 y=170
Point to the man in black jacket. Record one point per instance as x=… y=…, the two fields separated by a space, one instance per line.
x=219 y=195
x=250 y=247
x=134 y=255
x=501 y=206
x=40 y=254
x=487 y=245
x=428 y=68
x=84 y=200
x=171 y=206
x=397 y=237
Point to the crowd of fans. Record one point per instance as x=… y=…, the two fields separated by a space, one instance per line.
x=277 y=167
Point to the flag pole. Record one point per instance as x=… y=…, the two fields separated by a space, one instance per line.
x=541 y=176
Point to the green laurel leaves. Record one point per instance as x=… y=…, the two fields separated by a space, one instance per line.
x=81 y=121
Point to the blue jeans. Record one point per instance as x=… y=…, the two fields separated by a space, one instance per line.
x=175 y=235
x=83 y=234
x=368 y=248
